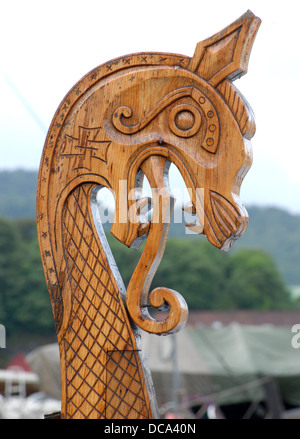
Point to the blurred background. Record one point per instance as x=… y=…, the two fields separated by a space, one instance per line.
x=238 y=357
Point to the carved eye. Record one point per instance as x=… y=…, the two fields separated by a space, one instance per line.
x=185 y=120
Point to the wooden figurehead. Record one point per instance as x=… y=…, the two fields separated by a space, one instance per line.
x=131 y=117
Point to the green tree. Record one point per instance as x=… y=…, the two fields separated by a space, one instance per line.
x=196 y=270
x=26 y=228
x=18 y=193
x=24 y=300
x=210 y=279
x=9 y=260
x=205 y=276
x=254 y=282
x=33 y=312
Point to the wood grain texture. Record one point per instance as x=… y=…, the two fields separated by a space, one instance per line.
x=129 y=118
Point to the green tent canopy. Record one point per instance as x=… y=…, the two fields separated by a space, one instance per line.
x=216 y=364
x=228 y=364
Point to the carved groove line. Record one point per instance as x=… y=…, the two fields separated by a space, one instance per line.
x=225 y=215
x=57 y=304
x=125 y=111
x=239 y=107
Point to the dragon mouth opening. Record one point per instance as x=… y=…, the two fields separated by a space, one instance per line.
x=195 y=225
x=177 y=189
x=222 y=218
x=147 y=206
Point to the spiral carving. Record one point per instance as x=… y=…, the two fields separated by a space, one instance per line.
x=138 y=298
x=126 y=112
x=185 y=119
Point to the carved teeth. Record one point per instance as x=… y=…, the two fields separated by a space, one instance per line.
x=189 y=208
x=143 y=202
x=144 y=228
x=195 y=227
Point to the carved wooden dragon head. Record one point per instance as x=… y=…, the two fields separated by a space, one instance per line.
x=130 y=117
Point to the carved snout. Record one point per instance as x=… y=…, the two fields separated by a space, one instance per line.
x=221 y=221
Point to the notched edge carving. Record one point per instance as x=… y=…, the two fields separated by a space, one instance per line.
x=240 y=108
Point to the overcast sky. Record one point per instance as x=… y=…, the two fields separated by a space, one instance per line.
x=47 y=46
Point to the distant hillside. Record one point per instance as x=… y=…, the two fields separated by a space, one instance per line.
x=277 y=232
x=17 y=193
x=271 y=229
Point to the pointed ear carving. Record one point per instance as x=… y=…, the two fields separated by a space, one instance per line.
x=226 y=54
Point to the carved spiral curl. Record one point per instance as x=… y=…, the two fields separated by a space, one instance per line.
x=178 y=311
x=184 y=119
x=177 y=314
x=123 y=111
x=138 y=298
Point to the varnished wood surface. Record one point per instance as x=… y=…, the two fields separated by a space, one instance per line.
x=127 y=118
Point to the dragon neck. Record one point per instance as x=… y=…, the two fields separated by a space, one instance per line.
x=97 y=337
